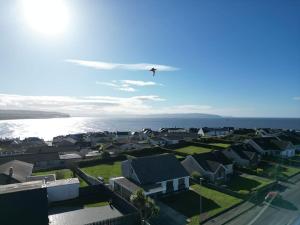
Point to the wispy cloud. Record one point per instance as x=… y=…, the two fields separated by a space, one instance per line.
x=297 y=98
x=84 y=105
x=100 y=65
x=128 y=85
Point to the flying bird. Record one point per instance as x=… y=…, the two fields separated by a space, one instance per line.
x=153 y=70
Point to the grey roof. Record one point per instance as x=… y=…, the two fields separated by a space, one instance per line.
x=245 y=151
x=9 y=188
x=270 y=143
x=129 y=185
x=21 y=170
x=85 y=216
x=157 y=168
x=31 y=158
x=207 y=161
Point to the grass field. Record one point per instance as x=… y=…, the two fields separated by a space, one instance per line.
x=275 y=169
x=222 y=145
x=193 y=149
x=106 y=170
x=97 y=204
x=64 y=174
x=188 y=203
x=246 y=183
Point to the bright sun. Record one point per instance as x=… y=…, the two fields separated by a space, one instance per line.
x=49 y=17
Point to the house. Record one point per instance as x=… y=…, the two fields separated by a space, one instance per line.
x=158 y=141
x=98 y=137
x=243 y=155
x=268 y=132
x=172 y=130
x=213 y=166
x=272 y=146
x=122 y=136
x=15 y=171
x=24 y=203
x=171 y=140
x=244 y=131
x=33 y=142
x=291 y=137
x=156 y=175
x=215 y=132
x=62 y=141
x=39 y=160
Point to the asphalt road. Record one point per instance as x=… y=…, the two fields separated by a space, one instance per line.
x=285 y=211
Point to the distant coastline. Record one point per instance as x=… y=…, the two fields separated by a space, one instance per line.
x=30 y=114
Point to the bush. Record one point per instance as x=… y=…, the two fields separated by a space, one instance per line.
x=60 y=174
x=259 y=171
x=196 y=175
x=243 y=192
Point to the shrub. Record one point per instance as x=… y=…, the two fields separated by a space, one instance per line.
x=196 y=175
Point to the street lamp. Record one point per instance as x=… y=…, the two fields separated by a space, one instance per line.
x=200 y=179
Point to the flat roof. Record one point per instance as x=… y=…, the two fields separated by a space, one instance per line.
x=84 y=216
x=63 y=182
x=9 y=188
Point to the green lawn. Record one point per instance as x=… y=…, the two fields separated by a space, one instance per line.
x=63 y=174
x=193 y=149
x=222 y=145
x=106 y=170
x=188 y=203
x=275 y=169
x=246 y=183
x=97 y=204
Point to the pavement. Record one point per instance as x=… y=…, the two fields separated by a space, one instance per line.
x=285 y=211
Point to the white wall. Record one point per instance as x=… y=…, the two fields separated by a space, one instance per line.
x=63 y=192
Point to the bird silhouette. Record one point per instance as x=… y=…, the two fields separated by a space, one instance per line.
x=153 y=70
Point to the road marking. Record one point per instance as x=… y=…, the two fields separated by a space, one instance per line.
x=262 y=211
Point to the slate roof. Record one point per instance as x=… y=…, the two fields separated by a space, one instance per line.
x=129 y=185
x=21 y=170
x=157 y=168
x=270 y=143
x=291 y=138
x=207 y=161
x=31 y=158
x=245 y=151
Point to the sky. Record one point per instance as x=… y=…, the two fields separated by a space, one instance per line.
x=92 y=58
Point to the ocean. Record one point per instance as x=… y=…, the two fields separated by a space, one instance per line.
x=49 y=128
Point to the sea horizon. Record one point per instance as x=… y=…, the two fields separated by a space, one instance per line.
x=49 y=128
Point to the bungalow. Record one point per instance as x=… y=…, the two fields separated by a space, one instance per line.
x=15 y=171
x=122 y=136
x=291 y=137
x=172 y=130
x=215 y=132
x=171 y=140
x=33 y=142
x=272 y=146
x=156 y=175
x=157 y=141
x=268 y=132
x=213 y=166
x=244 y=155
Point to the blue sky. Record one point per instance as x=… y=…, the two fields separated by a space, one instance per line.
x=233 y=58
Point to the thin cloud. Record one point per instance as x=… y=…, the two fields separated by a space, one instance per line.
x=297 y=98
x=99 y=65
x=128 y=85
x=139 y=83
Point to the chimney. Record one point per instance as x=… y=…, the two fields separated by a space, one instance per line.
x=11 y=171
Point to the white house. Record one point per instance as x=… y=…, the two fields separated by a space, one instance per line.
x=157 y=174
x=215 y=132
x=272 y=146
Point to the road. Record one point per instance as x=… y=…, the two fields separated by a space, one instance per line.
x=279 y=212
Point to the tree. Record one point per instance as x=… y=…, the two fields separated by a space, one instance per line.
x=195 y=175
x=105 y=154
x=146 y=205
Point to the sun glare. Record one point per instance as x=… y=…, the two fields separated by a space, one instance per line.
x=49 y=17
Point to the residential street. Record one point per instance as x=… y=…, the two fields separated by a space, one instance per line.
x=279 y=212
